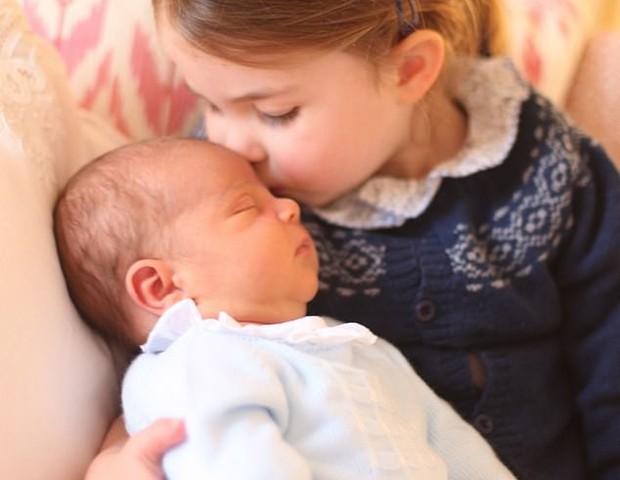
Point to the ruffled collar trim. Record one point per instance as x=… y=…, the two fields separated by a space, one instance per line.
x=492 y=92
x=184 y=315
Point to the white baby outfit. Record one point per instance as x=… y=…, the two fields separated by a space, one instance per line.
x=307 y=399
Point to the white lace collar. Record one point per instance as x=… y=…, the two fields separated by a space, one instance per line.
x=184 y=315
x=492 y=92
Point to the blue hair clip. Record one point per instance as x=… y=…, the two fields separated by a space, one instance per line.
x=407 y=26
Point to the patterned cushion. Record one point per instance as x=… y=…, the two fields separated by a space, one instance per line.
x=546 y=40
x=115 y=64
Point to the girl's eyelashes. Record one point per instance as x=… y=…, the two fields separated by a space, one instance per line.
x=275 y=119
x=280 y=118
x=212 y=108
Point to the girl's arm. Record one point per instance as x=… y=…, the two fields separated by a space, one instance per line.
x=588 y=277
x=138 y=457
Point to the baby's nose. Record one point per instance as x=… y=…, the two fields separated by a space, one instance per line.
x=288 y=210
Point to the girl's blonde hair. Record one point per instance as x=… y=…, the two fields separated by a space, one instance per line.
x=250 y=31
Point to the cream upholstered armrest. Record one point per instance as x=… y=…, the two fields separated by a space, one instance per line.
x=58 y=383
x=57 y=379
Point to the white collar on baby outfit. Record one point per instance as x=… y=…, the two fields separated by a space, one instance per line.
x=491 y=91
x=184 y=315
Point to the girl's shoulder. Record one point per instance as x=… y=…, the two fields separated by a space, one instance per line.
x=506 y=113
x=517 y=131
x=548 y=140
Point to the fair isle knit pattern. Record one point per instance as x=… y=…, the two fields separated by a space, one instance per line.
x=533 y=221
x=520 y=231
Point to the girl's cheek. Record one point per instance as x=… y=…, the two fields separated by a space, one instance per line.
x=213 y=131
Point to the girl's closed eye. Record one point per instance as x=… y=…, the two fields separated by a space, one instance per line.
x=280 y=118
x=211 y=108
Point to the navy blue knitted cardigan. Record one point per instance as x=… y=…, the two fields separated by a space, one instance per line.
x=512 y=272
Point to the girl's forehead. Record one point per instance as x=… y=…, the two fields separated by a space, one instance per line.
x=216 y=78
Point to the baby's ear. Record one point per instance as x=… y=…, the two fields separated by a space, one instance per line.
x=150 y=284
x=419 y=60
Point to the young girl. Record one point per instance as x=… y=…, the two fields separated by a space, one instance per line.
x=456 y=213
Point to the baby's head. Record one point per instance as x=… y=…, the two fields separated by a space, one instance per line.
x=145 y=226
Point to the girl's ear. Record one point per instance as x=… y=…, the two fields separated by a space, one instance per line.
x=150 y=284
x=419 y=60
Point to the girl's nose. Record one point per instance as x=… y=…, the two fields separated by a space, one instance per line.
x=251 y=151
x=288 y=210
x=239 y=140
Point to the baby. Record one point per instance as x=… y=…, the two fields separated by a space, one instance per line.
x=175 y=245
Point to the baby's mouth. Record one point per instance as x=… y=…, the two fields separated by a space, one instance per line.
x=304 y=247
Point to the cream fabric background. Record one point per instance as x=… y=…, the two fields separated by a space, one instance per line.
x=57 y=382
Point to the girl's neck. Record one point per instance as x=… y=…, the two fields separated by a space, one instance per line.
x=437 y=134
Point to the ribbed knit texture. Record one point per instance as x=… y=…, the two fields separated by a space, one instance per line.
x=266 y=409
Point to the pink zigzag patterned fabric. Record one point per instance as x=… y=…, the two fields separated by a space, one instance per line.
x=118 y=71
x=546 y=41
x=116 y=68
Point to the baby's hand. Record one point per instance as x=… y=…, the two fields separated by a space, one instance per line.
x=138 y=457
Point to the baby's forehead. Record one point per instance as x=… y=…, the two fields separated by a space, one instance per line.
x=203 y=170
x=206 y=155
